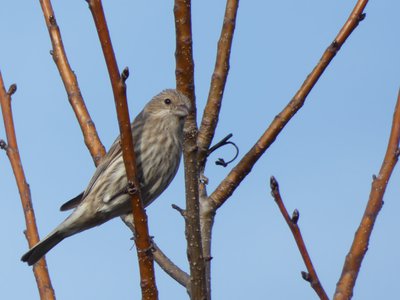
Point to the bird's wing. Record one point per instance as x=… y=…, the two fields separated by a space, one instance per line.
x=107 y=159
x=74 y=202
x=113 y=153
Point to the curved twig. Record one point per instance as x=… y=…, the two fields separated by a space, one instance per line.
x=92 y=140
x=311 y=276
x=225 y=141
x=352 y=264
x=240 y=171
x=40 y=270
x=142 y=238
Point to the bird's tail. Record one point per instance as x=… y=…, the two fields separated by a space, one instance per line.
x=78 y=221
x=40 y=249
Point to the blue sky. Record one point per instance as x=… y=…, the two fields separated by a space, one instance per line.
x=324 y=159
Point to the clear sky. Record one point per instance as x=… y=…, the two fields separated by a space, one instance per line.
x=324 y=159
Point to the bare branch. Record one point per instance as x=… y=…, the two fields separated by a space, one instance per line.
x=184 y=71
x=213 y=106
x=207 y=216
x=92 y=140
x=170 y=268
x=40 y=270
x=179 y=209
x=162 y=260
x=142 y=238
x=311 y=276
x=352 y=264
x=240 y=171
x=208 y=126
x=185 y=83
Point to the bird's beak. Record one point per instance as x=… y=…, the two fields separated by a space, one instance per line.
x=182 y=111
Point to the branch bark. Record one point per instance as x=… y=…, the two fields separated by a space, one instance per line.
x=91 y=138
x=211 y=111
x=352 y=264
x=142 y=238
x=170 y=268
x=161 y=259
x=208 y=125
x=311 y=276
x=40 y=270
x=185 y=83
x=243 y=168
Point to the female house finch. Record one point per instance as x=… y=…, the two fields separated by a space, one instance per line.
x=157 y=135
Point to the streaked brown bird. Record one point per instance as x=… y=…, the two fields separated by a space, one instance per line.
x=158 y=136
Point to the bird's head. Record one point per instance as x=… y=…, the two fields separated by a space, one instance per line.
x=169 y=103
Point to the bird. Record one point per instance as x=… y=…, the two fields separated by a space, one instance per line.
x=157 y=133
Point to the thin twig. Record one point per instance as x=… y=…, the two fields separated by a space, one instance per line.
x=185 y=83
x=352 y=264
x=169 y=267
x=218 y=145
x=162 y=260
x=142 y=238
x=240 y=171
x=225 y=141
x=179 y=209
x=92 y=140
x=40 y=270
x=311 y=276
x=221 y=69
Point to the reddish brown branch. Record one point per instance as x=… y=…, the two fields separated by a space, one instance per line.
x=185 y=83
x=162 y=260
x=311 y=276
x=240 y=171
x=352 y=265
x=70 y=81
x=142 y=238
x=218 y=81
x=184 y=71
x=39 y=269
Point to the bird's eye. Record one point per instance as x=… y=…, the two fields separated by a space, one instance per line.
x=167 y=101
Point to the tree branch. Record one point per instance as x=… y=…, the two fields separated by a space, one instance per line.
x=243 y=168
x=92 y=140
x=352 y=264
x=142 y=238
x=161 y=259
x=311 y=276
x=169 y=267
x=218 y=81
x=40 y=270
x=208 y=125
x=185 y=83
x=184 y=71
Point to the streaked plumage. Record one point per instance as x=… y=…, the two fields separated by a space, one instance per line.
x=158 y=135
